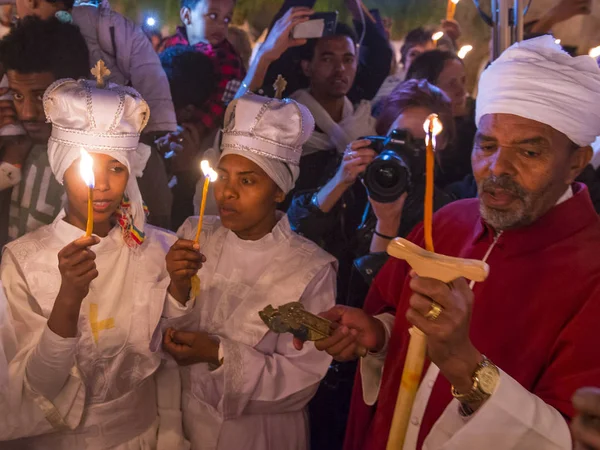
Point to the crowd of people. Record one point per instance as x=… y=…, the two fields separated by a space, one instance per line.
x=130 y=300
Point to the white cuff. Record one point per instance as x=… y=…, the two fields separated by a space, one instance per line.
x=9 y=176
x=512 y=415
x=371 y=366
x=174 y=309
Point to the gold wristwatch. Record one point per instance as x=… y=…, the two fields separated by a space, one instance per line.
x=485 y=380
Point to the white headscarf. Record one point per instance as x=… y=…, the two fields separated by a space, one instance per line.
x=270 y=133
x=537 y=80
x=283 y=174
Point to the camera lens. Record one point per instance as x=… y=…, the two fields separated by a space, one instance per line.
x=387 y=177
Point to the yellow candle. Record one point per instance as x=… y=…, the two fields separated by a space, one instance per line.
x=209 y=175
x=451 y=9
x=417 y=347
x=86 y=170
x=428 y=212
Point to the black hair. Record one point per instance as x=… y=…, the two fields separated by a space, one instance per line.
x=341 y=29
x=191 y=75
x=35 y=46
x=429 y=65
x=68 y=3
x=191 y=4
x=418 y=36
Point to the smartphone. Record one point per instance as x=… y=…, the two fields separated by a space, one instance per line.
x=319 y=25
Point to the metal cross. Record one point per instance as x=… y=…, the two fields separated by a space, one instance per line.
x=280 y=85
x=100 y=71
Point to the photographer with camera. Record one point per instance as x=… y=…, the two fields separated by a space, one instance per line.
x=378 y=189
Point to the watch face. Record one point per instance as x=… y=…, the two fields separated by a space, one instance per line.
x=488 y=377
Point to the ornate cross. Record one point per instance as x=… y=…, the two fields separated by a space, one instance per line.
x=101 y=72
x=96 y=326
x=280 y=85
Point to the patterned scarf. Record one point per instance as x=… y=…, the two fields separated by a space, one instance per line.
x=131 y=235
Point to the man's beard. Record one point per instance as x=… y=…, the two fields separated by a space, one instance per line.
x=523 y=209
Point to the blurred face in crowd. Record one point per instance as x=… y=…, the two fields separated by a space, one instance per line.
x=333 y=68
x=452 y=81
x=412 y=120
x=416 y=51
x=40 y=8
x=208 y=21
x=111 y=180
x=522 y=168
x=247 y=197
x=28 y=92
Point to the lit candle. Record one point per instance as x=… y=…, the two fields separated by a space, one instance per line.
x=464 y=51
x=209 y=176
x=417 y=346
x=86 y=169
x=433 y=127
x=451 y=10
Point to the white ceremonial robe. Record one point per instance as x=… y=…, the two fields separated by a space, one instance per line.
x=257 y=398
x=98 y=389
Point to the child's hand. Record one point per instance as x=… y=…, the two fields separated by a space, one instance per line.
x=77 y=266
x=191 y=348
x=184 y=260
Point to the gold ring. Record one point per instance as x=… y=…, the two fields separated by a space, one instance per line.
x=434 y=312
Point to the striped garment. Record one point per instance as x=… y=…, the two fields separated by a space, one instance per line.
x=38 y=198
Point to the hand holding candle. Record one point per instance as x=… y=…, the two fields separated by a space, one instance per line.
x=209 y=176
x=86 y=169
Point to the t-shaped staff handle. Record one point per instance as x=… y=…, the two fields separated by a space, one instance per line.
x=445 y=269
x=439 y=267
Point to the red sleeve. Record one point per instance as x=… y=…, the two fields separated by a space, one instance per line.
x=575 y=361
x=230 y=72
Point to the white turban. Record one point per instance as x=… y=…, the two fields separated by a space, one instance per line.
x=537 y=80
x=283 y=174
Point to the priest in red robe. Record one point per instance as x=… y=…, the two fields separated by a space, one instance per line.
x=505 y=356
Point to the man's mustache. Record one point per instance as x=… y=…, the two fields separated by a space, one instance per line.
x=504 y=182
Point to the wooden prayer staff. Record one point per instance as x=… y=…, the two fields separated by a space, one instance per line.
x=429 y=265
x=209 y=176
x=451 y=10
x=86 y=169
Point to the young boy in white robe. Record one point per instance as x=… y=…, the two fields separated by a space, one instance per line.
x=84 y=309
x=245 y=387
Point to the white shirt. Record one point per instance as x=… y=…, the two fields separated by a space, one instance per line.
x=256 y=399
x=101 y=382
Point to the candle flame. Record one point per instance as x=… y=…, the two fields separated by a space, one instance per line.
x=455 y=1
x=464 y=51
x=86 y=169
x=437 y=36
x=437 y=128
x=208 y=171
x=595 y=52
x=557 y=41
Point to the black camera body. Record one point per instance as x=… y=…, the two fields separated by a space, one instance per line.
x=391 y=173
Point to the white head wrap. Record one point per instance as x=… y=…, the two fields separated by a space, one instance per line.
x=537 y=80
x=100 y=120
x=270 y=133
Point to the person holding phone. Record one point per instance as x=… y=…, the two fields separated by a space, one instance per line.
x=373 y=59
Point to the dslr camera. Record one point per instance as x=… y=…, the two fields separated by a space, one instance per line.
x=399 y=158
